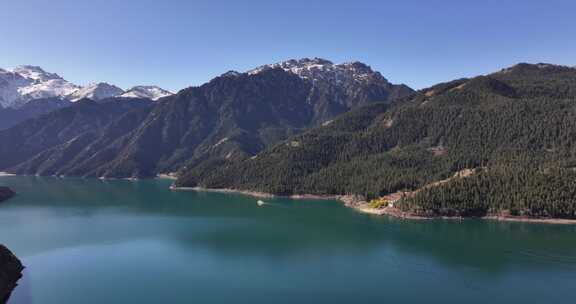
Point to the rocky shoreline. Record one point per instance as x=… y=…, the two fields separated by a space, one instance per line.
x=10 y=272
x=358 y=203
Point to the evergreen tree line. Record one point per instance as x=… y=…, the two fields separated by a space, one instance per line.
x=519 y=125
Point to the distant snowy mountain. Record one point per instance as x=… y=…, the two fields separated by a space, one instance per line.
x=47 y=89
x=24 y=83
x=35 y=73
x=96 y=91
x=9 y=84
x=150 y=92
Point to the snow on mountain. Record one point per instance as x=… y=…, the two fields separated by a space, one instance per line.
x=47 y=89
x=96 y=91
x=322 y=70
x=150 y=92
x=35 y=73
x=25 y=83
x=41 y=84
x=10 y=82
x=338 y=86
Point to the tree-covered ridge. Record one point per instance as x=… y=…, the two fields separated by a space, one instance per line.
x=526 y=112
x=505 y=189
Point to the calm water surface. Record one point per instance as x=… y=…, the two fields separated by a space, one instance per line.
x=92 y=241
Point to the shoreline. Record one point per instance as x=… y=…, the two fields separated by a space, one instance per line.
x=352 y=201
x=260 y=194
x=170 y=176
x=535 y=220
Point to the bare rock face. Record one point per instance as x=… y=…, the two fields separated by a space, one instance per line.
x=6 y=193
x=10 y=272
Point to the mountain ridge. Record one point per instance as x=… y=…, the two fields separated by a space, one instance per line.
x=519 y=124
x=24 y=83
x=231 y=117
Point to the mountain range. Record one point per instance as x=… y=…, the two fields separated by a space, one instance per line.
x=491 y=145
x=232 y=117
x=24 y=83
x=29 y=91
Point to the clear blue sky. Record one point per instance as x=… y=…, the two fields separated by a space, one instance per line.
x=178 y=43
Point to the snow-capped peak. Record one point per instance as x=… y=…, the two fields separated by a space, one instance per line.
x=296 y=66
x=27 y=82
x=35 y=73
x=96 y=91
x=24 y=83
x=318 y=69
x=150 y=92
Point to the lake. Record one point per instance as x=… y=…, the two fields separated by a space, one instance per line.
x=93 y=241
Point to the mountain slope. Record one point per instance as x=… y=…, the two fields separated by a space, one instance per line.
x=519 y=123
x=230 y=118
x=150 y=92
x=10 y=117
x=96 y=91
x=62 y=128
x=336 y=88
x=25 y=83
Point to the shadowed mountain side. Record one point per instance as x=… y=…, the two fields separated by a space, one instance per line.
x=10 y=117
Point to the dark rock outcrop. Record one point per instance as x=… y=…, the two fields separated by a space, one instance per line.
x=10 y=272
x=5 y=193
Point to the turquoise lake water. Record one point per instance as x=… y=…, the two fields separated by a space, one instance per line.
x=92 y=241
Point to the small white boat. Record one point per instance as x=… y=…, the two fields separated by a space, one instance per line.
x=260 y=203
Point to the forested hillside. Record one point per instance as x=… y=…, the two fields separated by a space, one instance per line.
x=518 y=126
